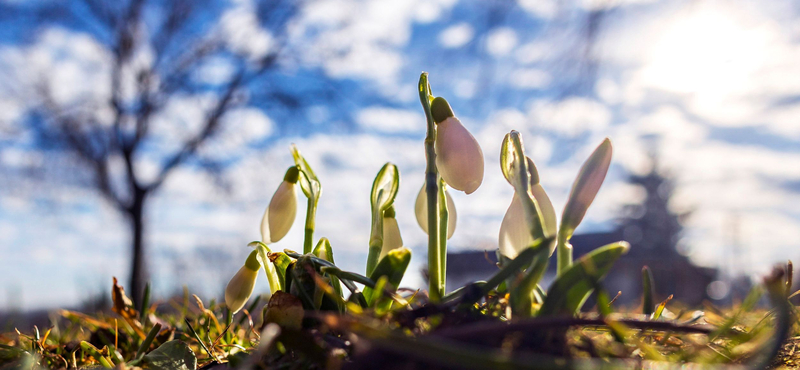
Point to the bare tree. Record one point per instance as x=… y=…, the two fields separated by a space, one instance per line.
x=140 y=91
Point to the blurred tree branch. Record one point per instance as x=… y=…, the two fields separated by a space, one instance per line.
x=140 y=90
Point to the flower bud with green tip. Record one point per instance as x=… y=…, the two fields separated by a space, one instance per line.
x=241 y=285
x=585 y=188
x=282 y=210
x=391 y=233
x=421 y=211
x=459 y=158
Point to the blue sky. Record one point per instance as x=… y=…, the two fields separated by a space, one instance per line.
x=711 y=86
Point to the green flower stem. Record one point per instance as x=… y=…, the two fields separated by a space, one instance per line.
x=436 y=282
x=531 y=209
x=269 y=267
x=375 y=242
x=311 y=212
x=443 y=218
x=563 y=255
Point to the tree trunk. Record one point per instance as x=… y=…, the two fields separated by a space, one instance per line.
x=139 y=268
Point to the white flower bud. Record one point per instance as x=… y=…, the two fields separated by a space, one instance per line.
x=421 y=211
x=515 y=234
x=459 y=158
x=282 y=210
x=391 y=233
x=585 y=188
x=241 y=285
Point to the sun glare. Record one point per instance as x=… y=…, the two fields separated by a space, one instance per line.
x=708 y=52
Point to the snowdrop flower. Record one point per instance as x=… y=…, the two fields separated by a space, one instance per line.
x=421 y=211
x=241 y=285
x=515 y=235
x=459 y=158
x=280 y=214
x=391 y=233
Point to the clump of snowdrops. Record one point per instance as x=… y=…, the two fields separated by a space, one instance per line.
x=320 y=316
x=529 y=234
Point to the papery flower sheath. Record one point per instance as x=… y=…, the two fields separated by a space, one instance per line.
x=241 y=285
x=421 y=211
x=459 y=158
x=391 y=233
x=282 y=210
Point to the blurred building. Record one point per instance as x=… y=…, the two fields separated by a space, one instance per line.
x=651 y=227
x=673 y=272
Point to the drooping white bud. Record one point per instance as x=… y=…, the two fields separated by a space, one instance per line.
x=421 y=211
x=515 y=234
x=241 y=285
x=391 y=233
x=459 y=157
x=282 y=210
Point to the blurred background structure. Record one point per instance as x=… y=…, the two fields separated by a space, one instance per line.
x=143 y=139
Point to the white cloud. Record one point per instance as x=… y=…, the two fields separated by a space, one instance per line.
x=571 y=116
x=530 y=78
x=240 y=28
x=540 y=8
x=456 y=35
x=533 y=52
x=359 y=38
x=500 y=41
x=389 y=120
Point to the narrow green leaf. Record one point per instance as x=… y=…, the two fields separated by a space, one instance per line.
x=276 y=281
x=570 y=290
x=324 y=251
x=384 y=187
x=660 y=309
x=393 y=266
x=384 y=190
x=145 y=303
x=309 y=182
x=522 y=175
x=522 y=292
x=148 y=340
x=509 y=268
x=347 y=275
x=648 y=291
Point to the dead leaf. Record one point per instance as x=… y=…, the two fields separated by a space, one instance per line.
x=123 y=306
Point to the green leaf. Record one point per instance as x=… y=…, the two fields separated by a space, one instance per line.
x=384 y=190
x=309 y=182
x=393 y=266
x=324 y=251
x=173 y=355
x=275 y=271
x=509 y=268
x=8 y=353
x=347 y=275
x=507 y=158
x=570 y=290
x=522 y=174
x=660 y=309
x=522 y=292
x=647 y=291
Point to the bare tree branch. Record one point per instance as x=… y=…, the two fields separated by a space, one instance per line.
x=209 y=127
